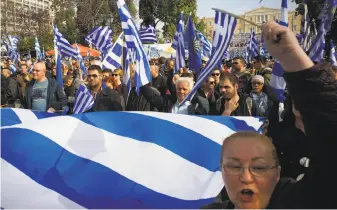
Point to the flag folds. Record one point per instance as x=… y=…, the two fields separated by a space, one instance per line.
x=101 y=160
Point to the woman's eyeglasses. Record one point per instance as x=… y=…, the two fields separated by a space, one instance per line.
x=115 y=75
x=212 y=83
x=216 y=74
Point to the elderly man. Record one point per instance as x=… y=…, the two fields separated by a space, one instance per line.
x=42 y=93
x=184 y=85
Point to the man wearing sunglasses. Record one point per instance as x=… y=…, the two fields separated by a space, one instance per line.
x=106 y=99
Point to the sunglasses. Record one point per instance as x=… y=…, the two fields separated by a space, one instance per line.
x=92 y=75
x=212 y=83
x=257 y=83
x=115 y=75
x=235 y=63
x=216 y=74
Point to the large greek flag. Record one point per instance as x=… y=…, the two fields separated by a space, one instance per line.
x=180 y=29
x=102 y=160
x=142 y=67
x=148 y=34
x=222 y=36
x=114 y=59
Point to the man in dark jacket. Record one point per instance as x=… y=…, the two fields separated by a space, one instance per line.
x=158 y=81
x=106 y=99
x=42 y=93
x=5 y=74
x=231 y=102
x=197 y=106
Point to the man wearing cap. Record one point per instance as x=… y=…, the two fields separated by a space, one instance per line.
x=260 y=99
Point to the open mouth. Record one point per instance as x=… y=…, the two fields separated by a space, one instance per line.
x=246 y=195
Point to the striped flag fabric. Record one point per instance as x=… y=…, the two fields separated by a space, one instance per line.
x=253 y=45
x=63 y=46
x=318 y=45
x=100 y=37
x=306 y=29
x=224 y=25
x=333 y=54
x=37 y=49
x=143 y=74
x=43 y=168
x=205 y=44
x=180 y=29
x=114 y=58
x=13 y=40
x=83 y=100
x=13 y=55
x=80 y=60
x=130 y=59
x=148 y=34
x=180 y=54
x=277 y=82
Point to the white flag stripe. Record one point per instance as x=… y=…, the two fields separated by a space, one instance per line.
x=117 y=147
x=25 y=115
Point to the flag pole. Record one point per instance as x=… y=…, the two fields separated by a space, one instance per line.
x=238 y=17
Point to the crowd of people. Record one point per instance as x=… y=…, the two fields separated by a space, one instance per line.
x=237 y=88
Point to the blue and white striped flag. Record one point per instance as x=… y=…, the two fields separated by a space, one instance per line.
x=13 y=40
x=142 y=67
x=114 y=59
x=180 y=54
x=43 y=55
x=318 y=45
x=100 y=37
x=333 y=54
x=222 y=36
x=13 y=55
x=148 y=34
x=205 y=44
x=253 y=46
x=306 y=29
x=83 y=100
x=98 y=161
x=80 y=61
x=63 y=46
x=180 y=29
x=130 y=59
x=277 y=82
x=37 y=49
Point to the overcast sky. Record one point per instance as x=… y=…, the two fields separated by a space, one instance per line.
x=237 y=6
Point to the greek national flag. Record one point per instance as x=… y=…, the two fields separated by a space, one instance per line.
x=13 y=55
x=148 y=34
x=14 y=42
x=63 y=46
x=277 y=82
x=333 y=54
x=83 y=100
x=101 y=37
x=205 y=44
x=37 y=49
x=142 y=67
x=253 y=46
x=305 y=29
x=180 y=54
x=222 y=36
x=114 y=59
x=180 y=29
x=101 y=160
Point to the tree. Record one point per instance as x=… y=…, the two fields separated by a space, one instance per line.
x=64 y=18
x=167 y=12
x=314 y=9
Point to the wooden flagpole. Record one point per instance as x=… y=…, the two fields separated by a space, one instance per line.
x=238 y=17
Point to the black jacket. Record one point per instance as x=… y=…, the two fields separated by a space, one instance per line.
x=314 y=92
x=242 y=110
x=56 y=98
x=138 y=103
x=199 y=105
x=4 y=87
x=107 y=100
x=160 y=83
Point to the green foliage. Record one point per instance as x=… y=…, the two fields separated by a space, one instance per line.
x=26 y=44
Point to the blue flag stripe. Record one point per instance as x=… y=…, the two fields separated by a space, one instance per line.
x=35 y=162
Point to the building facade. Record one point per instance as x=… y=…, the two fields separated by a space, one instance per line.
x=258 y=16
x=15 y=14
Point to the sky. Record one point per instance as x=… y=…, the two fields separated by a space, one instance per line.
x=237 y=6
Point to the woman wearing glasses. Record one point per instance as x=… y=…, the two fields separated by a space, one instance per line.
x=121 y=88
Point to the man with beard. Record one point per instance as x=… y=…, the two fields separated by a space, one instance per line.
x=231 y=102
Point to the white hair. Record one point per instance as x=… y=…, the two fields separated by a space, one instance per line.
x=185 y=79
x=96 y=62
